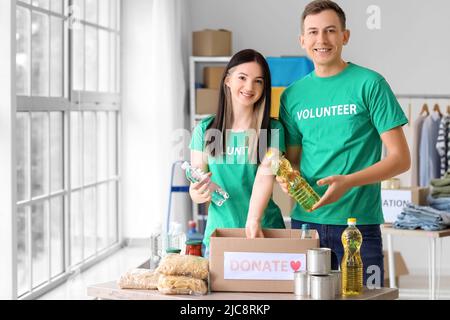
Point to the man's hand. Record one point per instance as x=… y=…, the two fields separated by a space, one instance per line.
x=337 y=187
x=253 y=229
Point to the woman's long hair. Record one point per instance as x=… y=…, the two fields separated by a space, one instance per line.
x=224 y=116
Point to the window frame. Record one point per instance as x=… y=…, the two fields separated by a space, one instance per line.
x=70 y=102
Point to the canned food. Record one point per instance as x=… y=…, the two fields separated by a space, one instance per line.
x=322 y=287
x=319 y=261
x=337 y=280
x=301 y=283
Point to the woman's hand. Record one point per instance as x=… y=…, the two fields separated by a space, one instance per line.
x=337 y=187
x=199 y=191
x=283 y=184
x=253 y=228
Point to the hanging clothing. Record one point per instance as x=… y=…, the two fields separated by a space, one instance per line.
x=442 y=144
x=447 y=173
x=430 y=161
x=415 y=161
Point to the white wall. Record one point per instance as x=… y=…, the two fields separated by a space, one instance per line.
x=411 y=50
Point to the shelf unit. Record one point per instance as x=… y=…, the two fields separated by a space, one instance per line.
x=196 y=65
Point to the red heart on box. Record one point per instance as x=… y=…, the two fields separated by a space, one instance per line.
x=295 y=265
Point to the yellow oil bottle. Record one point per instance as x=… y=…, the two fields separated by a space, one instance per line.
x=351 y=265
x=299 y=188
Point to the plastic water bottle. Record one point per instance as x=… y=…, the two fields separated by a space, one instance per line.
x=176 y=238
x=351 y=265
x=298 y=187
x=194 y=175
x=193 y=234
x=306 y=232
x=156 y=250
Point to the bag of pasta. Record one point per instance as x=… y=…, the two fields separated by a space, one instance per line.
x=182 y=285
x=184 y=265
x=139 y=279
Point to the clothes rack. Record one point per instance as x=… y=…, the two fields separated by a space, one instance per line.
x=423 y=96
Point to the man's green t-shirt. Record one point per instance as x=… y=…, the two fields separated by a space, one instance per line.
x=338 y=122
x=235 y=173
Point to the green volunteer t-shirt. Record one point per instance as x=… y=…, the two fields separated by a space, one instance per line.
x=338 y=122
x=235 y=172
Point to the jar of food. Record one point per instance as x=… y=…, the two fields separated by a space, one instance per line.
x=194 y=247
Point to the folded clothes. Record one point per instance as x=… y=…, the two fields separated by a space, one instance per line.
x=422 y=217
x=444 y=182
x=440 y=195
x=405 y=221
x=440 y=188
x=439 y=203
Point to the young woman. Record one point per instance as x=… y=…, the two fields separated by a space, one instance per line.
x=231 y=146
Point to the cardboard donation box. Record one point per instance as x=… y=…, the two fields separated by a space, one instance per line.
x=207 y=101
x=257 y=265
x=211 y=43
x=394 y=200
x=212 y=76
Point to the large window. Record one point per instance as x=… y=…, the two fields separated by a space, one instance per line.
x=68 y=113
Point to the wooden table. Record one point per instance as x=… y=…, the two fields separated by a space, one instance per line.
x=111 y=291
x=433 y=237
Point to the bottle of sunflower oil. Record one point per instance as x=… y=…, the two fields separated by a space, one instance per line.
x=351 y=265
x=298 y=187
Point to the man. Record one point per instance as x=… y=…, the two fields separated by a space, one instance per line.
x=336 y=120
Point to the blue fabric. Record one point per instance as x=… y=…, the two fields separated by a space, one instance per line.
x=421 y=217
x=430 y=161
x=330 y=237
x=442 y=204
x=286 y=70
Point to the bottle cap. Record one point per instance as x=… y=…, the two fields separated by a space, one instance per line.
x=269 y=154
x=305 y=226
x=351 y=221
x=173 y=250
x=185 y=165
x=192 y=224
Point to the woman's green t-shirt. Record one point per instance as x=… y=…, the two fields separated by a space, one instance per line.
x=236 y=175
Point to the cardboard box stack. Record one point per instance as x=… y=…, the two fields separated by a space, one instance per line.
x=211 y=43
x=207 y=101
x=257 y=265
x=212 y=77
x=208 y=97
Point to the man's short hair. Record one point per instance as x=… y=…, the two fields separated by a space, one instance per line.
x=317 y=6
